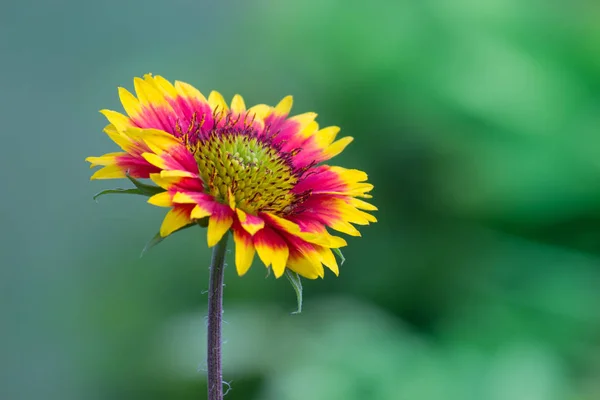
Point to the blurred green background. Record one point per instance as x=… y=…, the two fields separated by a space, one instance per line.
x=477 y=121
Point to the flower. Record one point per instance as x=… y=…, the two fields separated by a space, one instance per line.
x=257 y=172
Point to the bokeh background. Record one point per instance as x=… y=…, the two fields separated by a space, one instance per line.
x=477 y=121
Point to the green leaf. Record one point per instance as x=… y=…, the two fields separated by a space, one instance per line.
x=145 y=189
x=156 y=239
x=294 y=279
x=340 y=255
x=117 y=191
x=141 y=189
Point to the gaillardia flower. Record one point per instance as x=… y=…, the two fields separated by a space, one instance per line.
x=257 y=172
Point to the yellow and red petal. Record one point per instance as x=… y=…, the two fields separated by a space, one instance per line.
x=203 y=203
x=175 y=157
x=191 y=197
x=315 y=232
x=249 y=222
x=335 y=180
x=334 y=213
x=272 y=250
x=175 y=183
x=260 y=111
x=219 y=223
x=118 y=165
x=175 y=109
x=304 y=258
x=130 y=161
x=280 y=223
x=304 y=120
x=244 y=249
x=176 y=218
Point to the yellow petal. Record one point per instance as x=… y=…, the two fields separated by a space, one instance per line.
x=328 y=258
x=130 y=103
x=119 y=138
x=345 y=227
x=351 y=214
x=304 y=119
x=171 y=173
x=165 y=183
x=250 y=224
x=161 y=84
x=218 y=225
x=231 y=199
x=260 y=111
x=283 y=223
x=148 y=94
x=200 y=212
x=285 y=106
x=338 y=146
x=350 y=175
x=310 y=129
x=120 y=121
x=109 y=172
x=158 y=141
x=237 y=104
x=304 y=267
x=217 y=102
x=175 y=219
x=324 y=239
x=274 y=254
x=326 y=136
x=161 y=200
x=363 y=205
x=244 y=252
x=155 y=160
x=187 y=90
x=106 y=159
x=183 y=198
x=279 y=261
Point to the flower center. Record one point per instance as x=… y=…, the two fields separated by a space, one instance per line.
x=253 y=172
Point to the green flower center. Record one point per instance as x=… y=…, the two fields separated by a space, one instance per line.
x=253 y=172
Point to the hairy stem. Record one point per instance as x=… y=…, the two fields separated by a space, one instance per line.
x=215 y=316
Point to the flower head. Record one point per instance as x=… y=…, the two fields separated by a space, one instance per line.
x=257 y=172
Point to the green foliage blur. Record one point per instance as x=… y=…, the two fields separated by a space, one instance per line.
x=477 y=121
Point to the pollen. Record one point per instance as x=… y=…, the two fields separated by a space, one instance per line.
x=239 y=168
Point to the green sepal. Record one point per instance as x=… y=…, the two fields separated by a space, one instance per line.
x=140 y=189
x=117 y=191
x=338 y=252
x=157 y=239
x=294 y=279
x=203 y=222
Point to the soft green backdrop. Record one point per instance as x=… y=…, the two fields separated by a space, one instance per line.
x=477 y=121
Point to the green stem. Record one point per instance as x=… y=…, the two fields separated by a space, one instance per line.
x=215 y=316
